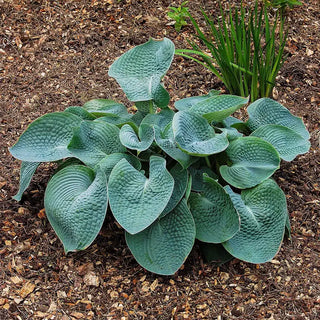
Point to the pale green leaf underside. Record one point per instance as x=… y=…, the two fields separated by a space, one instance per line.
x=267 y=111
x=137 y=201
x=139 y=70
x=213 y=212
x=27 y=170
x=129 y=138
x=47 y=138
x=163 y=247
x=253 y=161
x=263 y=213
x=76 y=203
x=287 y=142
x=93 y=140
x=218 y=107
x=195 y=136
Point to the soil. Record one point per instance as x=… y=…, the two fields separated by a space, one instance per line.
x=55 y=54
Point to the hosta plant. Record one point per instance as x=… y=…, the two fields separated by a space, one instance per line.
x=168 y=177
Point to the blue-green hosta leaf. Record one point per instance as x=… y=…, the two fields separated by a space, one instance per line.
x=130 y=140
x=104 y=107
x=47 y=138
x=286 y=141
x=137 y=201
x=117 y=120
x=160 y=119
x=263 y=212
x=213 y=212
x=165 y=140
x=186 y=103
x=195 y=136
x=163 y=247
x=93 y=140
x=107 y=164
x=228 y=123
x=27 y=170
x=76 y=202
x=253 y=161
x=215 y=253
x=197 y=176
x=139 y=71
x=218 y=107
x=81 y=112
x=267 y=111
x=180 y=177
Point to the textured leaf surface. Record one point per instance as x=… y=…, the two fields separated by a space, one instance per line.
x=267 y=111
x=195 y=136
x=27 y=170
x=213 y=212
x=76 y=203
x=137 y=201
x=139 y=70
x=253 y=161
x=160 y=119
x=140 y=143
x=287 y=142
x=163 y=247
x=103 y=107
x=263 y=212
x=93 y=140
x=219 y=107
x=47 y=138
x=81 y=112
x=197 y=172
x=180 y=177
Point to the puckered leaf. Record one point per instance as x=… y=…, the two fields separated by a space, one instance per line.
x=286 y=141
x=47 y=138
x=140 y=143
x=163 y=247
x=213 y=212
x=195 y=136
x=263 y=213
x=139 y=71
x=27 y=170
x=81 y=112
x=267 y=111
x=218 y=107
x=160 y=119
x=197 y=172
x=93 y=140
x=253 y=161
x=137 y=201
x=105 y=107
x=76 y=203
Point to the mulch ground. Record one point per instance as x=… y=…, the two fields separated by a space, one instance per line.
x=55 y=54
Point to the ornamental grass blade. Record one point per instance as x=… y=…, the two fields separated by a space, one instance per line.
x=213 y=212
x=163 y=247
x=76 y=203
x=47 y=138
x=253 y=160
x=263 y=212
x=135 y=200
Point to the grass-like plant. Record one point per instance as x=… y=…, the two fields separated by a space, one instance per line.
x=244 y=50
x=167 y=177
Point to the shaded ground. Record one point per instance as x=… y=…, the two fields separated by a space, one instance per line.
x=54 y=54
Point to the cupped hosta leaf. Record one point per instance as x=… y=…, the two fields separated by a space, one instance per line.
x=215 y=253
x=139 y=71
x=47 y=138
x=130 y=140
x=103 y=107
x=186 y=103
x=263 y=212
x=180 y=177
x=27 y=170
x=160 y=119
x=163 y=247
x=267 y=111
x=118 y=120
x=76 y=203
x=197 y=172
x=93 y=140
x=81 y=112
x=286 y=141
x=213 y=212
x=107 y=164
x=195 y=136
x=137 y=201
x=253 y=161
x=218 y=107
x=165 y=140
